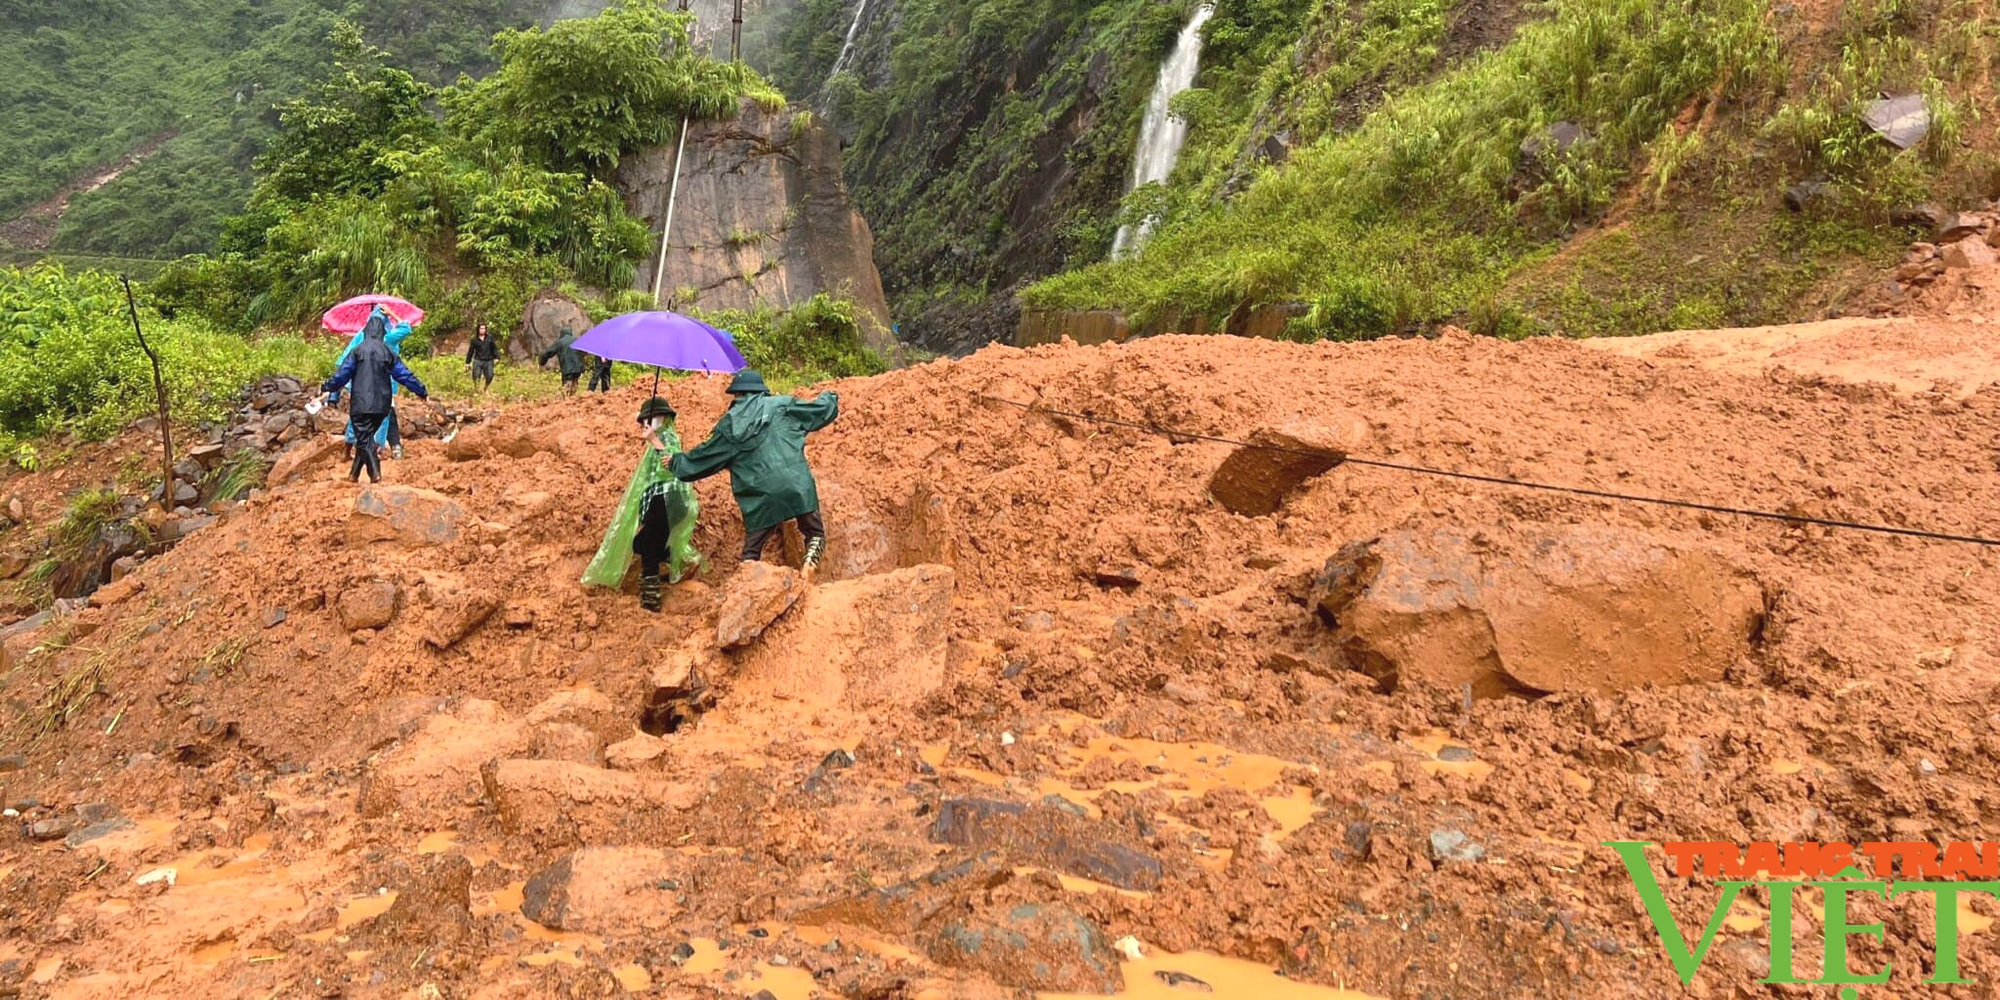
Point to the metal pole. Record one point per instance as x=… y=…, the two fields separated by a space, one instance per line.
x=673 y=192
x=736 y=34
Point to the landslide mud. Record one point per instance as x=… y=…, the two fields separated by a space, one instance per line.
x=1137 y=674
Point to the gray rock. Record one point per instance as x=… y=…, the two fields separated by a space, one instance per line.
x=104 y=828
x=12 y=762
x=1454 y=845
x=1029 y=946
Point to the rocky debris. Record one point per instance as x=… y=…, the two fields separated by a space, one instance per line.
x=578 y=704
x=873 y=642
x=1119 y=576
x=367 y=604
x=1564 y=609
x=1927 y=216
x=635 y=753
x=563 y=803
x=51 y=828
x=603 y=889
x=1808 y=195
x=491 y=440
x=568 y=741
x=1256 y=477
x=900 y=909
x=433 y=905
x=90 y=568
x=1030 y=946
x=273 y=616
x=1048 y=837
x=458 y=615
x=301 y=455
x=1454 y=845
x=405 y=515
x=1182 y=981
x=677 y=692
x=12 y=762
x=754 y=598
x=439 y=765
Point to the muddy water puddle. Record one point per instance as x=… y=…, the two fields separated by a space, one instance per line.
x=1157 y=975
x=1181 y=770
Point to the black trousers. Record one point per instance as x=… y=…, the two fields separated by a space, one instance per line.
x=482 y=371
x=365 y=426
x=810 y=525
x=600 y=379
x=650 y=542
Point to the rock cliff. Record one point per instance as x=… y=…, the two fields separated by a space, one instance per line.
x=763 y=219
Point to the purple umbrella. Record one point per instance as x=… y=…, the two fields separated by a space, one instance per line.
x=663 y=340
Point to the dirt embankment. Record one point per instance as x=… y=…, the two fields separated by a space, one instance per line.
x=1050 y=693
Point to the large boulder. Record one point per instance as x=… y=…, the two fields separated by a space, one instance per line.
x=597 y=890
x=1254 y=479
x=753 y=599
x=876 y=642
x=1566 y=609
x=542 y=323
x=438 y=766
x=404 y=515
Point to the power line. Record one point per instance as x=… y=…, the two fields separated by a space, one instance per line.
x=1769 y=515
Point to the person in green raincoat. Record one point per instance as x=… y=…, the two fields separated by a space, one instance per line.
x=655 y=519
x=761 y=440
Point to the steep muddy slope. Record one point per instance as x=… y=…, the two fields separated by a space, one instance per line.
x=1051 y=692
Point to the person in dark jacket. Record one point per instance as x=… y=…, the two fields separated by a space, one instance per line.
x=480 y=354
x=373 y=369
x=600 y=376
x=761 y=440
x=568 y=359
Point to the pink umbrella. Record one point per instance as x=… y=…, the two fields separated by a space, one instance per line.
x=350 y=316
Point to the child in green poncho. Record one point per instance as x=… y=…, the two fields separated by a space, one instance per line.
x=655 y=519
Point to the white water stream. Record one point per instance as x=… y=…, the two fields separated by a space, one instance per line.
x=1161 y=135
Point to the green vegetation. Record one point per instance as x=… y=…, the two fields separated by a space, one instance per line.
x=999 y=138
x=364 y=188
x=814 y=342
x=1450 y=199
x=185 y=86
x=69 y=361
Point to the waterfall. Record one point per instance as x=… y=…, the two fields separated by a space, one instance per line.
x=1161 y=135
x=847 y=47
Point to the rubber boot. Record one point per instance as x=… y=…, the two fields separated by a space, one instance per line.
x=815 y=548
x=374 y=465
x=649 y=592
x=360 y=462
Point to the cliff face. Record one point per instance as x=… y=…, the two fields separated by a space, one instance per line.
x=990 y=146
x=763 y=219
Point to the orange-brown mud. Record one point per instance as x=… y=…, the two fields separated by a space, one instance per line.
x=1127 y=717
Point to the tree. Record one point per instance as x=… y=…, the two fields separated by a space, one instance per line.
x=332 y=140
x=584 y=92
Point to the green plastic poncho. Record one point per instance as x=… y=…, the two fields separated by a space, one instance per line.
x=614 y=555
x=761 y=440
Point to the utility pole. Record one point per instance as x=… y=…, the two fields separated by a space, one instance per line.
x=736 y=34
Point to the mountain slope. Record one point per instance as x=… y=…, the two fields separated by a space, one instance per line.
x=84 y=85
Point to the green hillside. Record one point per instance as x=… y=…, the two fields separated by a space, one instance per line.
x=190 y=86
